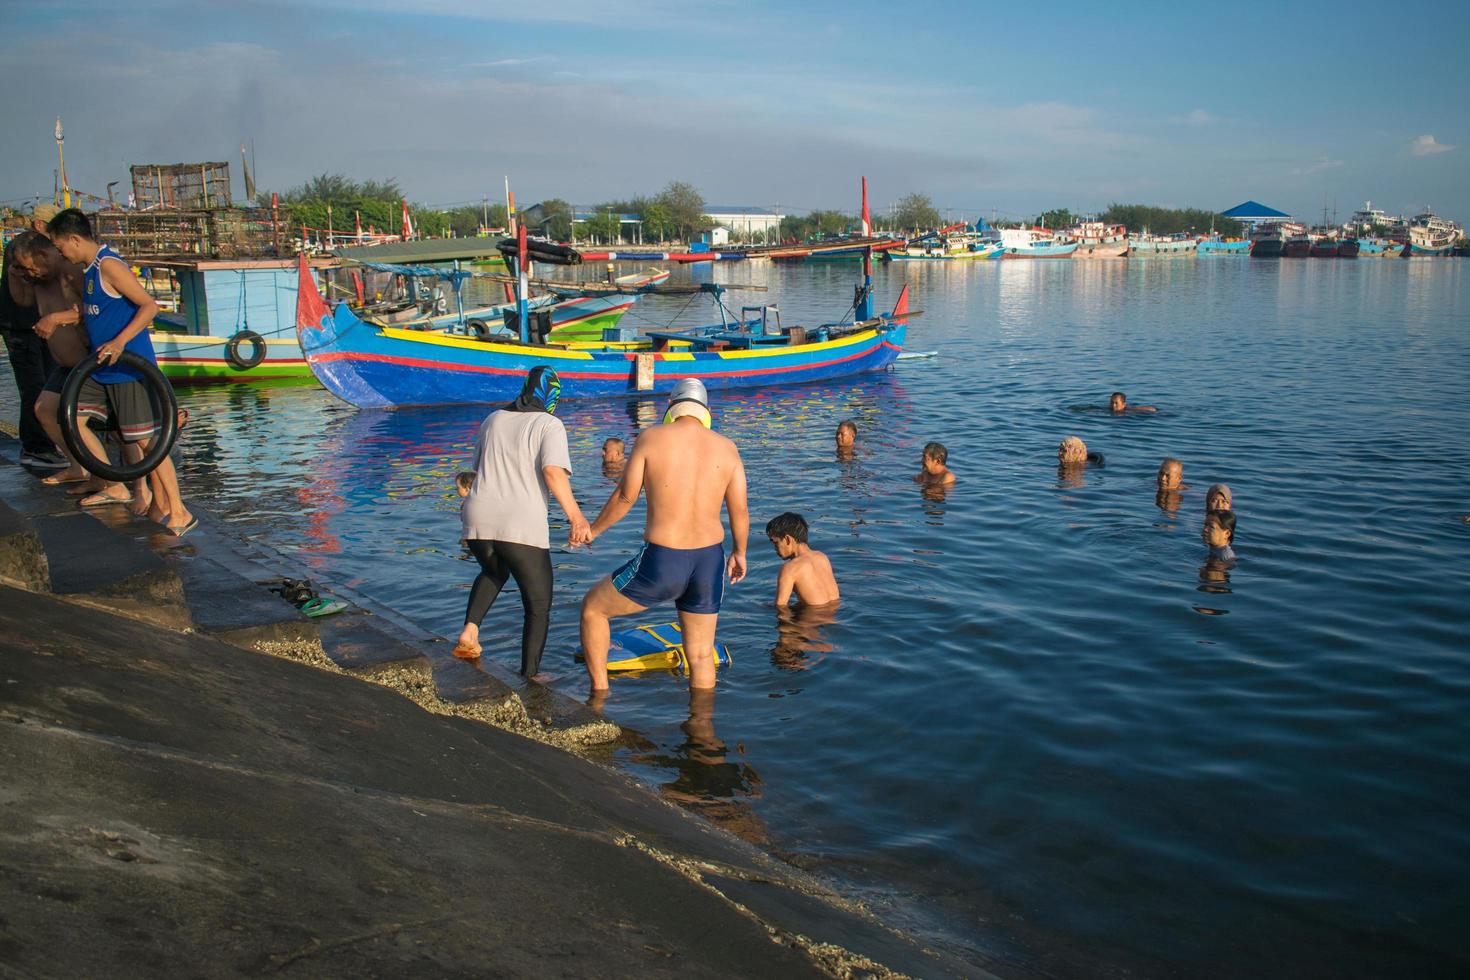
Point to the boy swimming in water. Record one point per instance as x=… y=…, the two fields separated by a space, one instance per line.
x=935 y=472
x=1118 y=404
x=1218 y=533
x=807 y=573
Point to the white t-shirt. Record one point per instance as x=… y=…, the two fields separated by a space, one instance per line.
x=508 y=500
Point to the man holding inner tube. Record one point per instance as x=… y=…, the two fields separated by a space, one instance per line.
x=117 y=312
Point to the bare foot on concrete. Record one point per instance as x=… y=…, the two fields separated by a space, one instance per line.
x=468 y=647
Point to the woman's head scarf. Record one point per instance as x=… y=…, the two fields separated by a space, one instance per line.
x=540 y=393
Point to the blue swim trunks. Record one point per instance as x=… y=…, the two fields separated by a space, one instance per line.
x=693 y=577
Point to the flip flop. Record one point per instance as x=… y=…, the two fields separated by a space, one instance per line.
x=52 y=481
x=322 y=607
x=100 y=499
x=465 y=653
x=179 y=532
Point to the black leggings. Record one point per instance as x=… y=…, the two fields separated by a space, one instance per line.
x=531 y=568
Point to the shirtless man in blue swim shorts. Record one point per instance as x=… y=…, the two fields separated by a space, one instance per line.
x=687 y=472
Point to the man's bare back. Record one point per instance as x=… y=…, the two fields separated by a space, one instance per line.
x=686 y=471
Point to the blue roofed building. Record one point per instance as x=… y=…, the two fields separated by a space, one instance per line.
x=1252 y=213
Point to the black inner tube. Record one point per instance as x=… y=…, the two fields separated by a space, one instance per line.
x=160 y=393
x=257 y=349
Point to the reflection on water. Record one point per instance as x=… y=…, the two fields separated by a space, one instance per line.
x=799 y=635
x=1036 y=711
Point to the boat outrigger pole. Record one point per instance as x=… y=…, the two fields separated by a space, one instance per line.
x=864 y=309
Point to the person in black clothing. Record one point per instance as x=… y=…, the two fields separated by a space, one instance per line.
x=29 y=358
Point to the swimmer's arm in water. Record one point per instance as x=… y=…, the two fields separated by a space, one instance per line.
x=785 y=584
x=738 y=510
x=560 y=485
x=624 y=495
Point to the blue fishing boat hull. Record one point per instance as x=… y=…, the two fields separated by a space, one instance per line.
x=1209 y=247
x=385 y=367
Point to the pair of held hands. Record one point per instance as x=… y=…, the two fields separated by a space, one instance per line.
x=581 y=533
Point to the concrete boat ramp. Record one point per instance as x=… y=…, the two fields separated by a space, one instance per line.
x=200 y=781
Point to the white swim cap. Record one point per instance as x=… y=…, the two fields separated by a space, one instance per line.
x=689 y=398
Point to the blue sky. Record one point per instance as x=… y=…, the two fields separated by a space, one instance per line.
x=1015 y=108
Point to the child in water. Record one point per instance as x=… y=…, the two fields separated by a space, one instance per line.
x=613 y=460
x=1218 y=533
x=463 y=481
x=1118 y=404
x=935 y=472
x=807 y=573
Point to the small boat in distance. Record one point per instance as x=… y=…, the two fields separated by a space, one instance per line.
x=1161 y=246
x=1325 y=248
x=1298 y=246
x=1268 y=242
x=1429 y=234
x=1379 y=248
x=1348 y=248
x=1034 y=243
x=1216 y=245
x=1098 y=240
x=957 y=243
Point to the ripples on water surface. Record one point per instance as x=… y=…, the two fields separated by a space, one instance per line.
x=1036 y=715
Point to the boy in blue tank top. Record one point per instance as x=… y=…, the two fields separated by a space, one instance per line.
x=117 y=312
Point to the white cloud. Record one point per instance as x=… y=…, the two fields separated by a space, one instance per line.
x=507 y=62
x=1199 y=117
x=1425 y=146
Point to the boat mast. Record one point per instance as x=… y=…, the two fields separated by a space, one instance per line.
x=521 y=284
x=864 y=309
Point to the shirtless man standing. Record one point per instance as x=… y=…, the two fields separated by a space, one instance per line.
x=687 y=472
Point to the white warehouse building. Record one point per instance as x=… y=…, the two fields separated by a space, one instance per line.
x=747 y=223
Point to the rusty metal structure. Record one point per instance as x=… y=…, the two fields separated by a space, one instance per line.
x=171 y=233
x=185 y=186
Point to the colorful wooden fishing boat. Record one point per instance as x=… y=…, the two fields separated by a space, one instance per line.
x=375 y=366
x=236 y=320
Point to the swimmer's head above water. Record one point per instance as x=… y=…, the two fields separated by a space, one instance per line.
x=1171 y=474
x=1072 y=450
x=689 y=398
x=1118 y=402
x=1219 y=529
x=846 y=434
x=612 y=450
x=1218 y=497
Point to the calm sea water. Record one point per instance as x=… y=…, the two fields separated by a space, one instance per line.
x=1039 y=726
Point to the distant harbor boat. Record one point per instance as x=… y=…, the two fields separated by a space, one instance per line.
x=1268 y=242
x=1348 y=248
x=1298 y=246
x=949 y=245
x=1379 y=248
x=1098 y=240
x=1325 y=248
x=1161 y=246
x=1429 y=234
x=1034 y=243
x=1215 y=245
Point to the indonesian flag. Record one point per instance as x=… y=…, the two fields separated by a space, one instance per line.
x=510 y=211
x=407 y=222
x=867 y=216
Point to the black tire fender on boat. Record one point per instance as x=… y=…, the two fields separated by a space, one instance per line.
x=479 y=328
x=161 y=394
x=257 y=349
